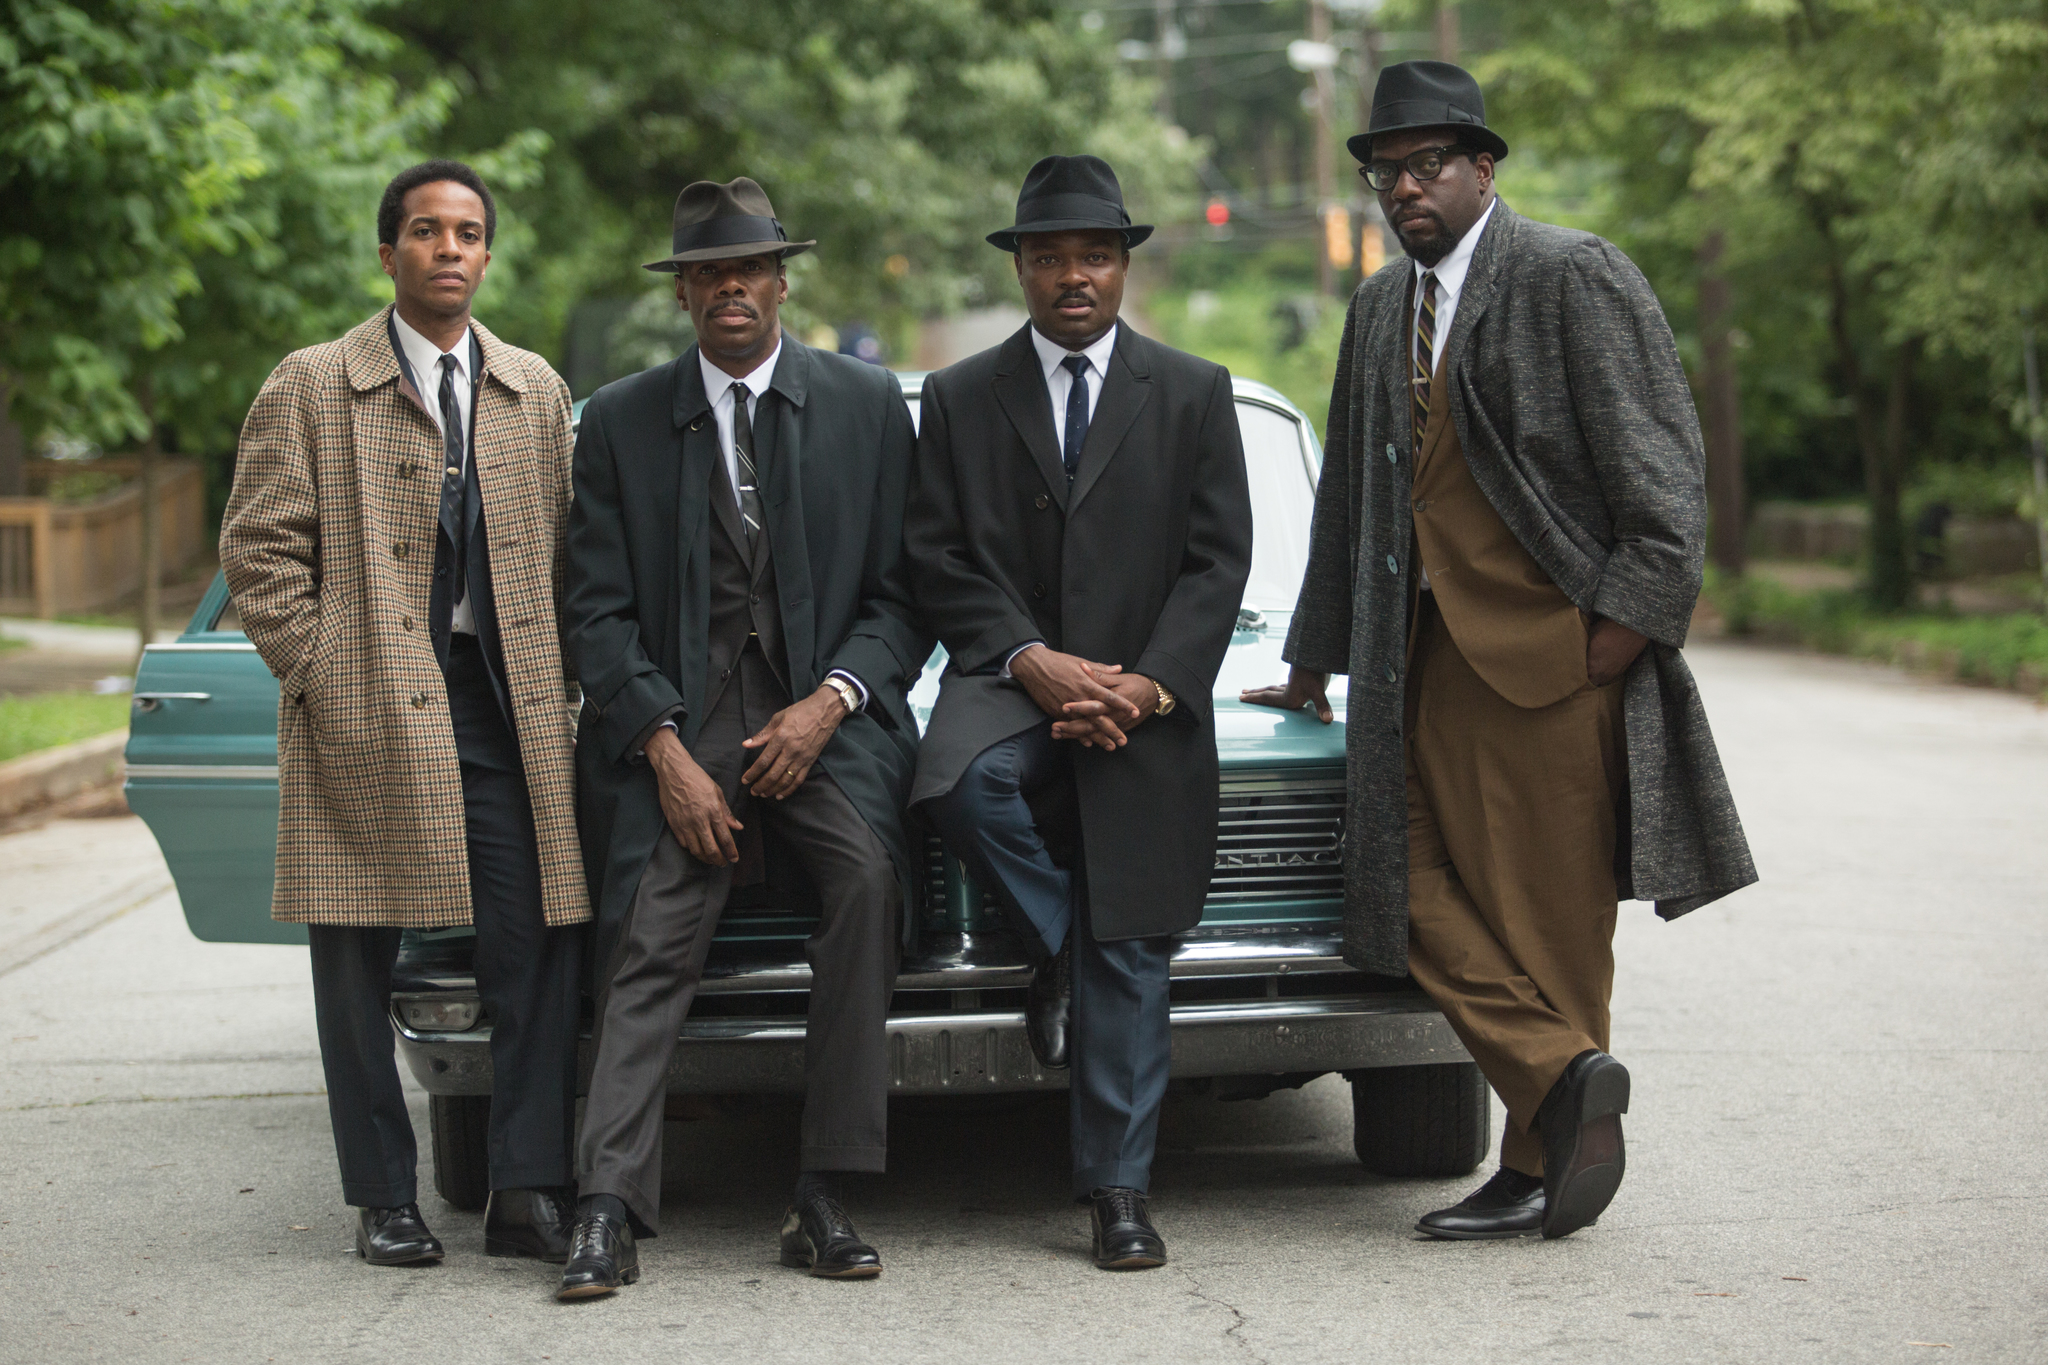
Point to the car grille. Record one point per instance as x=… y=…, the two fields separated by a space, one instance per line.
x=1280 y=837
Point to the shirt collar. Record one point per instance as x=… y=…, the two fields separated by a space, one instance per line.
x=424 y=356
x=1051 y=354
x=718 y=384
x=1450 y=271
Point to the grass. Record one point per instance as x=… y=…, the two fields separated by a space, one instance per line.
x=2008 y=650
x=47 y=719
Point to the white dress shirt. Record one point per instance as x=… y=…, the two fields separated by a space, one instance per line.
x=1450 y=282
x=718 y=388
x=1059 y=382
x=425 y=359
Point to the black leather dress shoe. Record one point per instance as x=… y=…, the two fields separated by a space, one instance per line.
x=1583 y=1154
x=1124 y=1236
x=396 y=1237
x=601 y=1257
x=1509 y=1205
x=819 y=1237
x=529 y=1223
x=1048 y=1006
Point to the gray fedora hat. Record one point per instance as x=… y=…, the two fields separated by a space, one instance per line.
x=1428 y=95
x=1069 y=193
x=717 y=222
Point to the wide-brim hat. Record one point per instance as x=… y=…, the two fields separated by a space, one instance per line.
x=1428 y=95
x=1070 y=194
x=717 y=222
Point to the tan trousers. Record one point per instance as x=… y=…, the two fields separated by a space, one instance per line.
x=1511 y=894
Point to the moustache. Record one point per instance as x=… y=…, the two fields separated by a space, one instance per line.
x=743 y=309
x=1074 y=296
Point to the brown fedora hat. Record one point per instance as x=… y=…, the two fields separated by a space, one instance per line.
x=717 y=222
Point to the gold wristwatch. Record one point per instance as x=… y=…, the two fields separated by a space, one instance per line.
x=1165 y=698
x=848 y=698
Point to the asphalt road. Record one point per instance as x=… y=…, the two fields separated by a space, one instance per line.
x=1835 y=1150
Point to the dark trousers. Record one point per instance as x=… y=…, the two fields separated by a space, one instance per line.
x=667 y=937
x=1121 y=1039
x=526 y=973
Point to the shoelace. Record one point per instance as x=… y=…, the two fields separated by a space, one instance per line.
x=404 y=1211
x=588 y=1237
x=837 y=1223
x=1125 y=1206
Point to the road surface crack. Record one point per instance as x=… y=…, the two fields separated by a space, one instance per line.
x=1238 y=1321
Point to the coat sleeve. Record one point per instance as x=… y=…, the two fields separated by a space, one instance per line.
x=977 y=621
x=599 y=612
x=1631 y=400
x=561 y=454
x=270 y=532
x=1319 y=637
x=888 y=644
x=1186 y=648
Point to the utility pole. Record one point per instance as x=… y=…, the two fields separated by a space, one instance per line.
x=1447 y=30
x=1162 y=56
x=1725 y=494
x=2040 y=459
x=1323 y=57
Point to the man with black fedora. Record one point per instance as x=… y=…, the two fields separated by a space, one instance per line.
x=1507 y=546
x=742 y=628
x=1080 y=533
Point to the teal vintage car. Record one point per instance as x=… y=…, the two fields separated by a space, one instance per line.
x=1261 y=998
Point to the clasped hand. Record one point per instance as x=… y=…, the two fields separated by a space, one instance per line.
x=692 y=802
x=1091 y=703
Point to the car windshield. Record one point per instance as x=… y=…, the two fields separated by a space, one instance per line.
x=1278 y=463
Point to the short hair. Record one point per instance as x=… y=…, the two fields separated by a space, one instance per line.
x=392 y=207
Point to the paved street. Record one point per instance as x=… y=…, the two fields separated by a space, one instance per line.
x=1835 y=1149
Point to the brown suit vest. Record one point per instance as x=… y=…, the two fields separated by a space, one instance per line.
x=1513 y=625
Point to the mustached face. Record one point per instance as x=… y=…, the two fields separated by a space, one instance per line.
x=1433 y=216
x=1073 y=283
x=735 y=305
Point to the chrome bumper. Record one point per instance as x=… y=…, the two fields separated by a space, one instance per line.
x=968 y=1052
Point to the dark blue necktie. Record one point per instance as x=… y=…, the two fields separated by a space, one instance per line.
x=1077 y=412
x=452 y=480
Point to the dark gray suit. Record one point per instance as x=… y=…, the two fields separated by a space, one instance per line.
x=675 y=615
x=1140 y=561
x=1575 y=417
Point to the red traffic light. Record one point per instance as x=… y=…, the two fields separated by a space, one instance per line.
x=1218 y=213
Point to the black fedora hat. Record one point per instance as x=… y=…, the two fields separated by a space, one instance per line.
x=717 y=222
x=1070 y=194
x=1428 y=95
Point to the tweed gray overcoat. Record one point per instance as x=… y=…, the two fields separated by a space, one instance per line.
x=1576 y=419
x=328 y=546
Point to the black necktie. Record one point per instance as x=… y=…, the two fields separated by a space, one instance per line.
x=452 y=519
x=743 y=451
x=1077 y=412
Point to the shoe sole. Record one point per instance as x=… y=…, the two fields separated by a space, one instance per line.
x=1593 y=1170
x=430 y=1258
x=494 y=1247
x=596 y=1291
x=1438 y=1234
x=1132 y=1263
x=796 y=1261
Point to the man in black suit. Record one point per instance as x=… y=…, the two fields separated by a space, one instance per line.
x=738 y=615
x=1080 y=533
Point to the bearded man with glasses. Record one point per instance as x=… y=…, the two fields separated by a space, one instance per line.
x=1507 y=546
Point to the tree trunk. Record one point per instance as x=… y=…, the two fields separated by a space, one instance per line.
x=1726 y=496
x=150 y=454
x=13 y=471
x=1447 y=30
x=1890 y=579
x=1891 y=582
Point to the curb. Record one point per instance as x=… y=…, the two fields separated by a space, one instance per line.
x=40 y=779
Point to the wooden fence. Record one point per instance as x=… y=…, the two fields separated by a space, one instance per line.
x=59 y=557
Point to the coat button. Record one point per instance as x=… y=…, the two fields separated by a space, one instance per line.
x=1393 y=674
x=1041 y=502
x=405 y=622
x=399 y=549
x=1422 y=504
x=755 y=599
x=724 y=673
x=406 y=469
x=419 y=701
x=1038 y=589
x=1391 y=457
x=1393 y=564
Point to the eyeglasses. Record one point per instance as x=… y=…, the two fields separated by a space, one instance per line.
x=1426 y=164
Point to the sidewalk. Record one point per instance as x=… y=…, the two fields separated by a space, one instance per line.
x=68 y=878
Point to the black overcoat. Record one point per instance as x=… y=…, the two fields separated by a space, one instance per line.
x=835 y=442
x=1143 y=563
x=1575 y=416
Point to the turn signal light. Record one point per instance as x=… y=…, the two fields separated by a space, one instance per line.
x=441 y=1016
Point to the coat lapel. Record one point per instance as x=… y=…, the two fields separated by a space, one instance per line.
x=1021 y=392
x=781 y=438
x=1125 y=390
x=1482 y=279
x=1394 y=346
x=697 y=450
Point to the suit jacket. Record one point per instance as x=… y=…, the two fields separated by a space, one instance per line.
x=1141 y=563
x=328 y=543
x=835 y=444
x=1578 y=425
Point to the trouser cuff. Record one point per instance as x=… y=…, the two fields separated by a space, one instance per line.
x=386 y=1196
x=645 y=1212
x=1129 y=1175
x=866 y=1160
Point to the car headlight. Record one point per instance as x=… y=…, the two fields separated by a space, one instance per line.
x=435 y=1014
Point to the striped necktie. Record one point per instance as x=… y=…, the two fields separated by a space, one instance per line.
x=1425 y=354
x=749 y=491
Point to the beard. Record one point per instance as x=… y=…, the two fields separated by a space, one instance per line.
x=1426 y=239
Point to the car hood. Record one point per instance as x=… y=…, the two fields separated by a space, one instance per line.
x=1246 y=736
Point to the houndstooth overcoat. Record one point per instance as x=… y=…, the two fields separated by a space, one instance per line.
x=328 y=545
